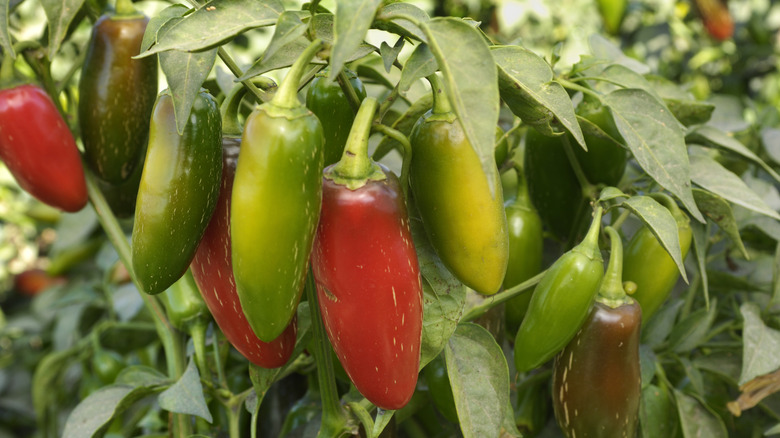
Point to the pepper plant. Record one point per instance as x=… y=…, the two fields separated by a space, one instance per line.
x=331 y=199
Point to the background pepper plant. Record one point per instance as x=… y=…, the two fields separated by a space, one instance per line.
x=658 y=119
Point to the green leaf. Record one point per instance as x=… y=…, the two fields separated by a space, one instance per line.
x=444 y=297
x=216 y=22
x=661 y=324
x=289 y=28
x=391 y=18
x=404 y=124
x=719 y=211
x=390 y=54
x=470 y=83
x=5 y=35
x=710 y=135
x=603 y=48
x=59 y=13
x=479 y=377
x=157 y=23
x=383 y=418
x=94 y=414
x=700 y=233
x=140 y=375
x=48 y=374
x=693 y=330
x=711 y=175
x=661 y=223
x=353 y=19
x=655 y=138
x=774 y=430
x=647 y=363
x=617 y=75
x=527 y=87
x=420 y=64
x=185 y=73
x=186 y=395
x=690 y=112
x=698 y=420
x=610 y=193
x=657 y=416
x=761 y=353
x=776 y=277
x=726 y=364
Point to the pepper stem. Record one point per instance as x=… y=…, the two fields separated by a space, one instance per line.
x=230 y=108
x=611 y=291
x=591 y=239
x=287 y=95
x=522 y=199
x=125 y=7
x=7 y=69
x=355 y=166
x=441 y=105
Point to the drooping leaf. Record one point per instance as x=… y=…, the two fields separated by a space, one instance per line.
x=216 y=22
x=710 y=135
x=444 y=297
x=720 y=212
x=59 y=13
x=185 y=73
x=352 y=21
x=390 y=17
x=656 y=140
x=698 y=420
x=186 y=395
x=420 y=64
x=390 y=54
x=712 y=176
x=761 y=353
x=5 y=35
x=661 y=223
x=693 y=330
x=479 y=377
x=470 y=82
x=527 y=86
x=610 y=193
x=289 y=28
x=94 y=414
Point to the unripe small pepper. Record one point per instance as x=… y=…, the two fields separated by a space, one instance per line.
x=329 y=103
x=561 y=302
x=367 y=275
x=646 y=262
x=183 y=303
x=596 y=378
x=116 y=94
x=464 y=221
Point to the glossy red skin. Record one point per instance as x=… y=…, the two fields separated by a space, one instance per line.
x=369 y=288
x=39 y=150
x=212 y=268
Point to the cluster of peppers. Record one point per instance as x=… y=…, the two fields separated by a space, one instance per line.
x=250 y=264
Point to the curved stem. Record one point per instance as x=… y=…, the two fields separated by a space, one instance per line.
x=7 y=68
x=349 y=91
x=522 y=198
x=125 y=8
x=502 y=297
x=407 y=152
x=388 y=102
x=577 y=87
x=611 y=291
x=334 y=422
x=287 y=94
x=355 y=164
x=622 y=218
x=236 y=70
x=198 y=334
x=441 y=105
x=587 y=187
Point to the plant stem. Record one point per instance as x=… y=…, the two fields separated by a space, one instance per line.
x=334 y=421
x=577 y=87
x=287 y=94
x=407 y=153
x=441 y=105
x=501 y=297
x=349 y=91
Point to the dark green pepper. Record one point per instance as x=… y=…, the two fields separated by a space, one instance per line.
x=121 y=197
x=184 y=304
x=116 y=95
x=328 y=102
x=552 y=184
x=106 y=364
x=438 y=380
x=647 y=263
x=275 y=207
x=533 y=404
x=605 y=160
x=525 y=250
x=561 y=302
x=178 y=192
x=464 y=221
x=596 y=378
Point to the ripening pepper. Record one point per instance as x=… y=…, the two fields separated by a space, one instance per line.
x=560 y=302
x=275 y=205
x=212 y=269
x=464 y=221
x=596 y=378
x=178 y=191
x=367 y=275
x=716 y=18
x=612 y=13
x=328 y=102
x=116 y=95
x=647 y=263
x=39 y=150
x=183 y=303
